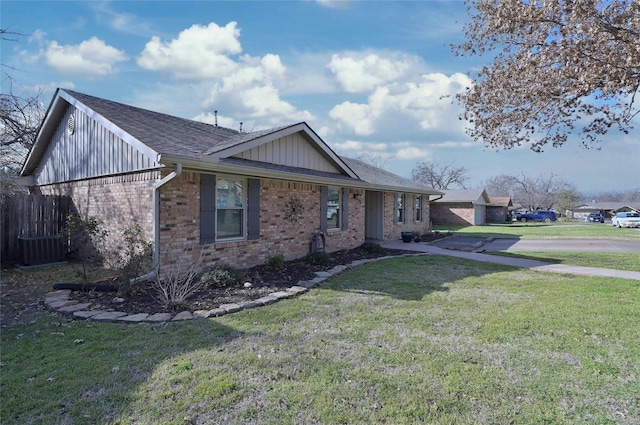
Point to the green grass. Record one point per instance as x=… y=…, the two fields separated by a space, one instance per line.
x=414 y=340
x=557 y=230
x=607 y=260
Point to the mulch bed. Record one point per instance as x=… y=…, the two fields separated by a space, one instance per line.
x=264 y=281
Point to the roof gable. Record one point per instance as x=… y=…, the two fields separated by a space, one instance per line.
x=474 y=196
x=76 y=143
x=168 y=138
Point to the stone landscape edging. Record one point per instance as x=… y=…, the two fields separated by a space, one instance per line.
x=61 y=300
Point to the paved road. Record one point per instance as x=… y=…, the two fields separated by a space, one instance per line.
x=555 y=245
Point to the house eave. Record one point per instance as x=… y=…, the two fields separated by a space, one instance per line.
x=246 y=170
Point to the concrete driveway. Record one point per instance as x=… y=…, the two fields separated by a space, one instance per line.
x=543 y=245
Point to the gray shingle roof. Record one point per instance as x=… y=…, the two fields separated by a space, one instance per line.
x=167 y=134
x=378 y=176
x=464 y=195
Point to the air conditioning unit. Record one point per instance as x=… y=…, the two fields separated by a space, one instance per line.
x=40 y=250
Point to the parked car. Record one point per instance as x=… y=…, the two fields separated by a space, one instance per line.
x=546 y=216
x=332 y=211
x=595 y=217
x=626 y=219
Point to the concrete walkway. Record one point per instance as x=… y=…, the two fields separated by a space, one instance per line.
x=467 y=253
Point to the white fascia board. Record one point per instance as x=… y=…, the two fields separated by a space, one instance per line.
x=212 y=166
x=128 y=138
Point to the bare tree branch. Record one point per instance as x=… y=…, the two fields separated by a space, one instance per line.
x=558 y=66
x=441 y=177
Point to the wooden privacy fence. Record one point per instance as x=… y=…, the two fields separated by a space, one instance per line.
x=35 y=218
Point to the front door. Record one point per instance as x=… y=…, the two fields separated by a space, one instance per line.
x=374 y=215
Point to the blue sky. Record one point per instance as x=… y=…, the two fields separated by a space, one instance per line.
x=368 y=76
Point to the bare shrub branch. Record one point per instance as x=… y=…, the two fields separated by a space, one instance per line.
x=176 y=282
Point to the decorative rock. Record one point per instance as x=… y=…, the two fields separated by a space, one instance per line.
x=281 y=294
x=133 y=317
x=266 y=300
x=59 y=293
x=85 y=314
x=217 y=312
x=230 y=308
x=307 y=284
x=75 y=307
x=159 y=317
x=202 y=314
x=117 y=300
x=109 y=315
x=248 y=285
x=57 y=304
x=297 y=290
x=248 y=304
x=324 y=274
x=183 y=315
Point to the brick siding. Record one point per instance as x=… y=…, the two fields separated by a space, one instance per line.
x=180 y=224
x=452 y=214
x=393 y=229
x=118 y=201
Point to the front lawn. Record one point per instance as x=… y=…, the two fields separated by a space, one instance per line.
x=607 y=260
x=557 y=230
x=425 y=339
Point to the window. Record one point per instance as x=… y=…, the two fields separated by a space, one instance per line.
x=418 y=208
x=230 y=206
x=399 y=208
x=334 y=207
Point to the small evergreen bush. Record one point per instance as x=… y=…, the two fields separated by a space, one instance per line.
x=318 y=258
x=371 y=247
x=276 y=261
x=221 y=277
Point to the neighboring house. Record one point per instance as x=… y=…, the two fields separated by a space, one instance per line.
x=192 y=186
x=608 y=209
x=498 y=211
x=461 y=207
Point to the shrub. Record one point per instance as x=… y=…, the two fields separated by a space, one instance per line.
x=371 y=247
x=176 y=282
x=84 y=237
x=221 y=277
x=318 y=258
x=136 y=258
x=276 y=261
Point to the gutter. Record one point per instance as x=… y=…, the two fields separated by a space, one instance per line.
x=156 y=220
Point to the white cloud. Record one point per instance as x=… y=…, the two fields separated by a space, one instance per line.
x=425 y=102
x=89 y=59
x=356 y=117
x=412 y=153
x=354 y=145
x=198 y=53
x=453 y=145
x=333 y=4
x=246 y=85
x=365 y=73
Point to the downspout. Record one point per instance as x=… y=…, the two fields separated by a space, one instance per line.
x=156 y=222
x=156 y=213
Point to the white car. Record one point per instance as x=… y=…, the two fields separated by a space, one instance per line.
x=626 y=219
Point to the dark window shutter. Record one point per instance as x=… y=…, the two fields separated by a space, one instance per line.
x=253 y=209
x=413 y=208
x=396 y=216
x=324 y=198
x=345 y=208
x=207 y=208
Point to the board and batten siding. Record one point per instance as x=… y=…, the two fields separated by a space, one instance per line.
x=90 y=150
x=294 y=151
